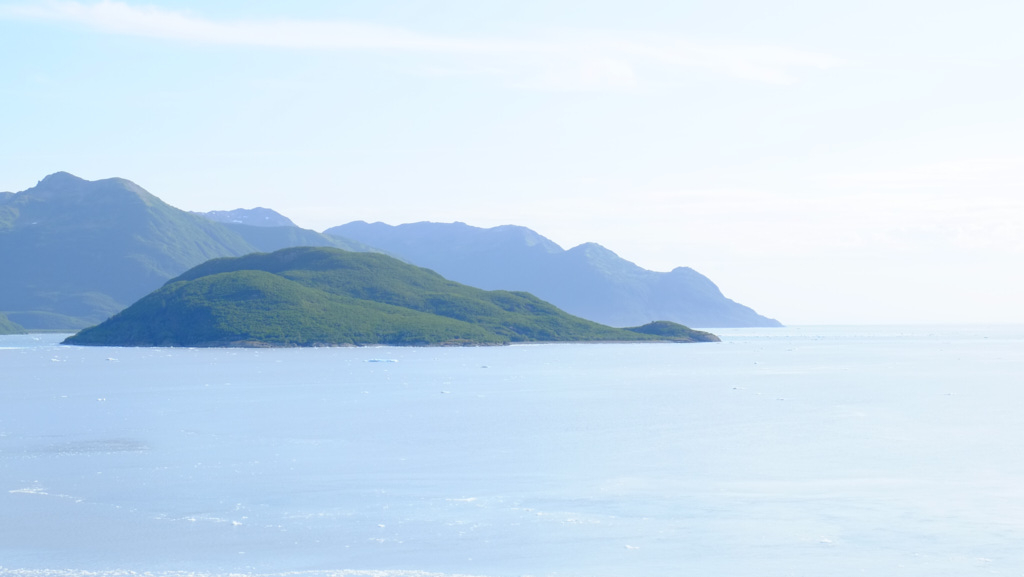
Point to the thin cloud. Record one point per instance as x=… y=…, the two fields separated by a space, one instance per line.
x=771 y=64
x=978 y=173
x=153 y=22
x=573 y=60
x=748 y=221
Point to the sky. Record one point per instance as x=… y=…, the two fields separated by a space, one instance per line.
x=822 y=162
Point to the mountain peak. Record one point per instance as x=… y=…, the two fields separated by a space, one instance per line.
x=64 y=187
x=258 y=216
x=594 y=252
x=60 y=180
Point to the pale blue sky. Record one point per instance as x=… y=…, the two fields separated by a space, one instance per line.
x=823 y=162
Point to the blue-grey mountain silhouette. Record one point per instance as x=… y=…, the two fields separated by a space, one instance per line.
x=258 y=216
x=589 y=280
x=73 y=251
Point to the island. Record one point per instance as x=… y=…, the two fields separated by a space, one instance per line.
x=322 y=296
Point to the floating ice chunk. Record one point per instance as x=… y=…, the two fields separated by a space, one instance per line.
x=30 y=491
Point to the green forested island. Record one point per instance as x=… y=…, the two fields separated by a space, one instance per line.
x=310 y=296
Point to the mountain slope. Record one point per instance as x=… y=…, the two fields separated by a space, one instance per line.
x=267 y=230
x=73 y=252
x=271 y=238
x=8 y=327
x=589 y=280
x=323 y=296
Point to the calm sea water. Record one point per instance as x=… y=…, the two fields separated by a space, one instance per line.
x=796 y=451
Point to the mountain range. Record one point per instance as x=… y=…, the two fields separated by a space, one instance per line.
x=74 y=252
x=588 y=280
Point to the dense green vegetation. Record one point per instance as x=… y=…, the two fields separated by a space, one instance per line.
x=325 y=296
x=669 y=330
x=7 y=327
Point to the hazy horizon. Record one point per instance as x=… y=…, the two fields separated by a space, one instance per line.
x=848 y=163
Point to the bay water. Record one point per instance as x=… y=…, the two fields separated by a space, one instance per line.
x=789 y=451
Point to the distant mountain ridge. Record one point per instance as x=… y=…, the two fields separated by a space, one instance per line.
x=588 y=280
x=73 y=251
x=258 y=216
